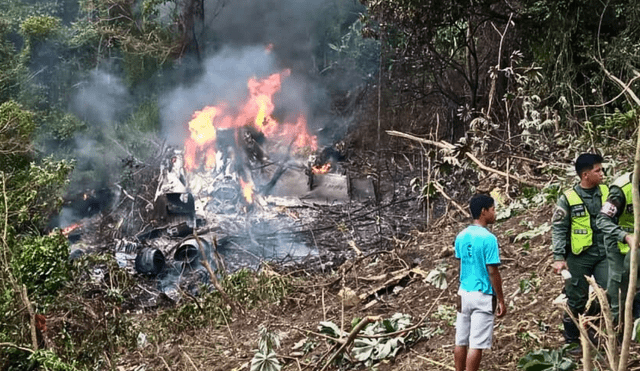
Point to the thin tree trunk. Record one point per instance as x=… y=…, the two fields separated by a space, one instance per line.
x=633 y=254
x=633 y=269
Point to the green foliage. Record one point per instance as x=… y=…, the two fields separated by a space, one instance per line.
x=563 y=43
x=251 y=289
x=42 y=359
x=144 y=43
x=446 y=313
x=532 y=283
x=518 y=205
x=268 y=340
x=146 y=118
x=424 y=190
x=547 y=359
x=89 y=306
x=331 y=329
x=265 y=357
x=40 y=263
x=438 y=277
x=619 y=123
x=34 y=194
x=39 y=27
x=265 y=362
x=16 y=130
x=361 y=52
x=247 y=288
x=373 y=346
x=533 y=233
x=10 y=69
x=63 y=126
x=370 y=350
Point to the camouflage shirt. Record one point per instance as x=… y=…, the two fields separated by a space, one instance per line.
x=561 y=224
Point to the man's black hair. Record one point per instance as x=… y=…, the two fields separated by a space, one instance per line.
x=479 y=202
x=586 y=161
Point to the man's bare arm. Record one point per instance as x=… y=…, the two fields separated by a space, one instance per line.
x=496 y=283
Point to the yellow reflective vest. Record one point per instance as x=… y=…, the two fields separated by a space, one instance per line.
x=581 y=231
x=625 y=221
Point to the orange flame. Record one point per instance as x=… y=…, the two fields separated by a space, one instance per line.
x=247 y=190
x=66 y=231
x=321 y=169
x=256 y=111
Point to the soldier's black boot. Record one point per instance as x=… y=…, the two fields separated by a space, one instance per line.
x=571 y=334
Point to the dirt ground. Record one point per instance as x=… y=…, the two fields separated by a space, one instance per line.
x=530 y=287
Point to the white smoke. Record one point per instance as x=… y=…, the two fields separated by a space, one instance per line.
x=100 y=99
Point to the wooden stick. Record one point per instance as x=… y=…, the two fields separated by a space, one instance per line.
x=486 y=168
x=214 y=279
x=190 y=361
x=449 y=146
x=612 y=343
x=440 y=144
x=362 y=324
x=11 y=345
x=587 y=360
x=165 y=363
x=324 y=309
x=441 y=190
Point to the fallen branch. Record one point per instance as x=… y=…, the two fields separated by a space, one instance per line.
x=440 y=144
x=457 y=205
x=390 y=282
x=11 y=345
x=486 y=168
x=214 y=279
x=449 y=146
x=362 y=324
x=416 y=326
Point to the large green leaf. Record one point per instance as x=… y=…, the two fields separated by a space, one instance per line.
x=265 y=362
x=331 y=329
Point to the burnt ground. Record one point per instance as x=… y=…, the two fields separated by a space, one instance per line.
x=532 y=320
x=388 y=277
x=373 y=260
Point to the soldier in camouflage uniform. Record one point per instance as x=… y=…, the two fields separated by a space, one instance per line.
x=616 y=221
x=578 y=244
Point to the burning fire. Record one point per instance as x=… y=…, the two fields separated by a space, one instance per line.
x=257 y=111
x=321 y=169
x=66 y=231
x=247 y=190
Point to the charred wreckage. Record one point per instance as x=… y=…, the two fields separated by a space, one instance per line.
x=246 y=206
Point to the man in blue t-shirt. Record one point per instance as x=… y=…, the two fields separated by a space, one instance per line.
x=480 y=285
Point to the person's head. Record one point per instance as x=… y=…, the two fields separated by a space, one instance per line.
x=482 y=208
x=589 y=169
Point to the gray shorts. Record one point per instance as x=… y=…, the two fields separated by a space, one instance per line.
x=474 y=323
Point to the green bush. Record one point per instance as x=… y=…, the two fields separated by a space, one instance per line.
x=16 y=130
x=547 y=359
x=40 y=263
x=34 y=194
x=39 y=27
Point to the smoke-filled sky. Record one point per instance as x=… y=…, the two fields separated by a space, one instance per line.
x=234 y=42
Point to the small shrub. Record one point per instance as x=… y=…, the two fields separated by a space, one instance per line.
x=39 y=27
x=41 y=264
x=547 y=359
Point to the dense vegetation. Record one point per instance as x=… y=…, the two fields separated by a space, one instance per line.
x=493 y=76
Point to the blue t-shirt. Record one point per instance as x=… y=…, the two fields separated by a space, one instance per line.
x=476 y=247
